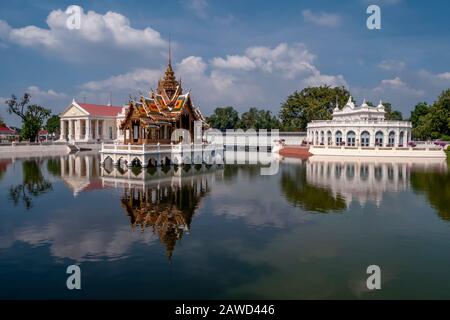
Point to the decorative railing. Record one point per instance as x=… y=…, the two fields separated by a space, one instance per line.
x=25 y=143
x=359 y=122
x=143 y=148
x=421 y=148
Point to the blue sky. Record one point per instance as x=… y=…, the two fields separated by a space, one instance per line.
x=243 y=53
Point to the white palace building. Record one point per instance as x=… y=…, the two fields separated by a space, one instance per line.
x=86 y=122
x=364 y=131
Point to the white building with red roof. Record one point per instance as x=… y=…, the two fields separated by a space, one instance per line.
x=86 y=122
x=7 y=134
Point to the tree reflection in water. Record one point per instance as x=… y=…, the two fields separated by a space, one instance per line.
x=307 y=196
x=34 y=184
x=54 y=166
x=167 y=210
x=435 y=186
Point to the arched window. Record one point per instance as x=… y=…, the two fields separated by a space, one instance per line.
x=401 y=138
x=338 y=138
x=329 y=137
x=379 y=139
x=351 y=136
x=391 y=141
x=365 y=139
x=317 y=138
x=322 y=138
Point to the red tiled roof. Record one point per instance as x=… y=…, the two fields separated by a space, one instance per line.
x=43 y=132
x=7 y=130
x=101 y=110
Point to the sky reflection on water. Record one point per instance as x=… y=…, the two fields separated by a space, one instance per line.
x=224 y=231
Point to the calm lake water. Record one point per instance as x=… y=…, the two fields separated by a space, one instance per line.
x=310 y=231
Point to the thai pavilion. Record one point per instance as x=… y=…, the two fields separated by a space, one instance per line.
x=150 y=120
x=362 y=126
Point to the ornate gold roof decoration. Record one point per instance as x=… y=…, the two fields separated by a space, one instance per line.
x=168 y=86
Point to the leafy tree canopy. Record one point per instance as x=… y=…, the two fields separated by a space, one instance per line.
x=258 y=119
x=32 y=115
x=432 y=121
x=52 y=125
x=224 y=118
x=312 y=103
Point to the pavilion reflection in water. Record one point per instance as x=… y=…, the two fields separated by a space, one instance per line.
x=80 y=171
x=163 y=201
x=366 y=179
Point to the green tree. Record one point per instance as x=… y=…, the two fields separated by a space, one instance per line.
x=432 y=121
x=258 y=119
x=32 y=115
x=441 y=113
x=52 y=125
x=224 y=118
x=390 y=113
x=2 y=123
x=420 y=110
x=312 y=103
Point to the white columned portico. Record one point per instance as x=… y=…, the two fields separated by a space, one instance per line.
x=62 y=124
x=88 y=129
x=77 y=129
x=84 y=122
x=70 y=137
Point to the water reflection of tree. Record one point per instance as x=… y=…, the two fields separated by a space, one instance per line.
x=231 y=171
x=167 y=210
x=34 y=184
x=311 y=198
x=436 y=186
x=54 y=167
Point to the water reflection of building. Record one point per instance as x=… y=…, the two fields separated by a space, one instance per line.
x=80 y=172
x=367 y=179
x=167 y=206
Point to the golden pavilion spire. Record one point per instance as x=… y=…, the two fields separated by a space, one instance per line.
x=168 y=83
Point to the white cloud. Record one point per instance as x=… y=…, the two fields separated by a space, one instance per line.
x=396 y=82
x=319 y=79
x=198 y=7
x=283 y=60
x=234 y=62
x=262 y=76
x=192 y=66
x=111 y=30
x=139 y=79
x=391 y=65
x=51 y=99
x=5 y=29
x=37 y=93
x=322 y=19
x=444 y=76
x=433 y=83
x=397 y=85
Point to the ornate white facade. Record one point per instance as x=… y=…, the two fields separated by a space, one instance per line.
x=362 y=126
